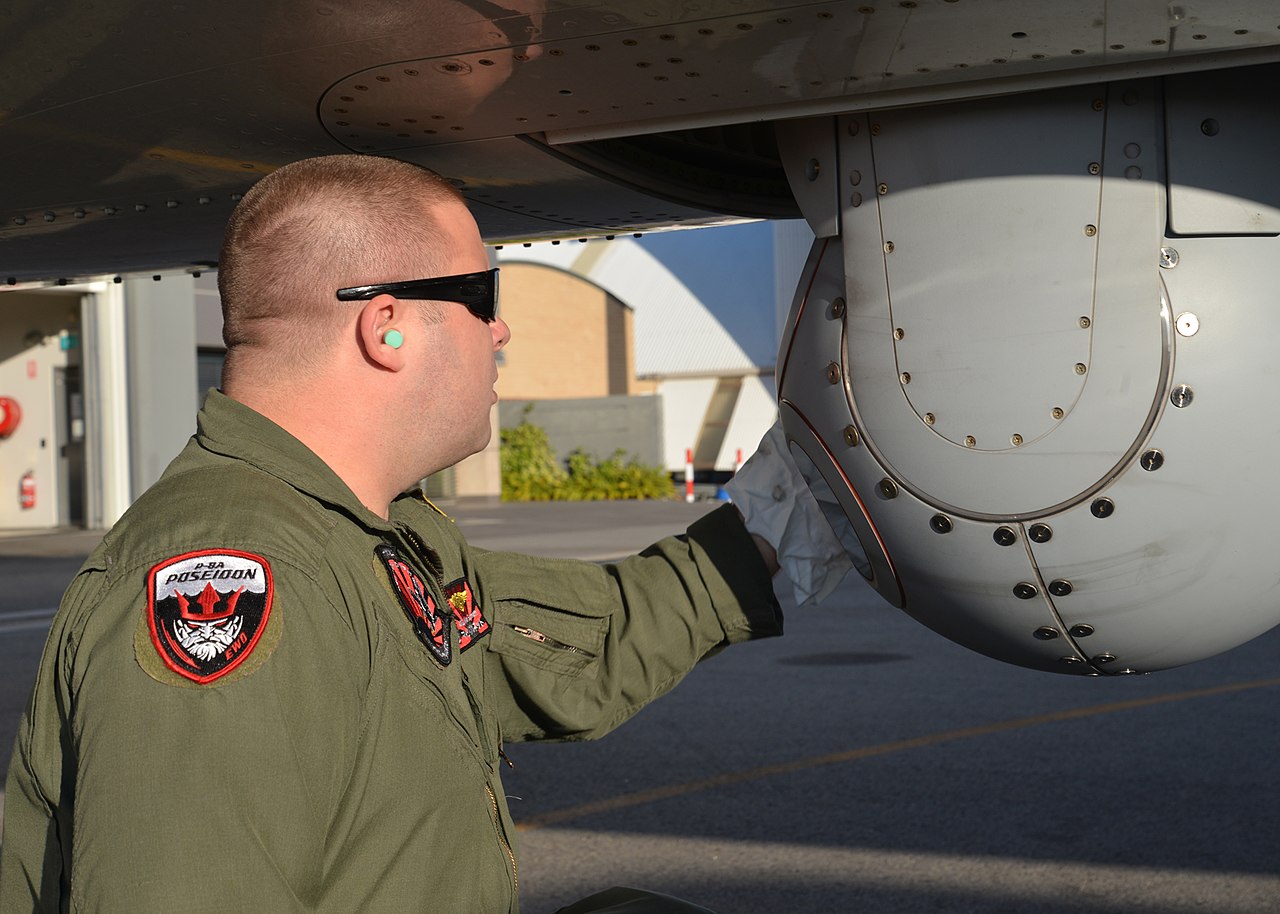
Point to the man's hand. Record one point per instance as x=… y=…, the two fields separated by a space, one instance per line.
x=784 y=518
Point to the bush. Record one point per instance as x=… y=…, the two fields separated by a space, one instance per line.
x=530 y=471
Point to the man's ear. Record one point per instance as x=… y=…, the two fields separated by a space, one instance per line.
x=382 y=329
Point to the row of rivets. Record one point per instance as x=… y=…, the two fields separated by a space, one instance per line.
x=81 y=212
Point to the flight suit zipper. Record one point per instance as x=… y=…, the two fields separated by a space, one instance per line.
x=497 y=827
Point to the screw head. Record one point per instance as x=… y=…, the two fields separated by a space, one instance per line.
x=1168 y=258
x=970 y=441
x=851 y=436
x=1104 y=658
x=1102 y=507
x=1095 y=168
x=1081 y=367
x=1046 y=633
x=899 y=333
x=888 y=247
x=930 y=418
x=940 y=523
x=887 y=488
x=837 y=308
x=1057 y=412
x=1024 y=591
x=833 y=373
x=1060 y=588
x=1090 y=231
x=882 y=189
x=1085 y=323
x=905 y=377
x=1015 y=439
x=1187 y=323
x=1081 y=630
x=1040 y=533
x=1181 y=396
x=1151 y=461
x=1005 y=536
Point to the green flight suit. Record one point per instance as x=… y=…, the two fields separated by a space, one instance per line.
x=338 y=764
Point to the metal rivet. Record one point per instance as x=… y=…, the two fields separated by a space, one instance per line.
x=1081 y=367
x=1085 y=323
x=970 y=441
x=1102 y=507
x=1094 y=168
x=1090 y=230
x=1057 y=412
x=1046 y=633
x=172 y=204
x=1015 y=439
x=899 y=333
x=1168 y=258
x=905 y=377
x=1133 y=172
x=19 y=220
x=1025 y=591
x=855 y=199
x=940 y=523
x=851 y=436
x=1097 y=102
x=837 y=308
x=930 y=418
x=888 y=488
x=855 y=176
x=1132 y=150
x=833 y=373
x=875 y=129
x=1081 y=630
x=1182 y=396
x=1210 y=127
x=1187 y=323
x=1060 y=588
x=812 y=169
x=49 y=217
x=139 y=207
x=79 y=213
x=1040 y=533
x=1127 y=671
x=883 y=188
x=1152 y=460
x=1105 y=658
x=888 y=247
x=1004 y=536
x=1070 y=661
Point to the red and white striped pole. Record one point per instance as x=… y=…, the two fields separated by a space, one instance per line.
x=688 y=475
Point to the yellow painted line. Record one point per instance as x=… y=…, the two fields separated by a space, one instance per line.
x=214 y=163
x=639 y=798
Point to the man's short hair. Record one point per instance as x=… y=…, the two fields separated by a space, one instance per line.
x=312 y=227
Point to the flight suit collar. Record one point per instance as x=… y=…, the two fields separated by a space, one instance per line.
x=230 y=428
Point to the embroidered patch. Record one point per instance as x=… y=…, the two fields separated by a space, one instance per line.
x=207 y=610
x=468 y=617
x=428 y=624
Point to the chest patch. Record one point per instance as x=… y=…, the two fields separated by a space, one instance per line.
x=468 y=616
x=207 y=610
x=428 y=621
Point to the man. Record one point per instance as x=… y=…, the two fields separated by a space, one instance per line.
x=279 y=684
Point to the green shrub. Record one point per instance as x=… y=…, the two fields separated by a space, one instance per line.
x=530 y=471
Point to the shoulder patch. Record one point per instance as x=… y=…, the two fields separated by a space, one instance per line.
x=468 y=616
x=207 y=611
x=428 y=621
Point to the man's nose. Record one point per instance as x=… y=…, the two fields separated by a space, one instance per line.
x=501 y=333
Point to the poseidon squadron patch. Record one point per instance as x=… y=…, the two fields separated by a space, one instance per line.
x=207 y=610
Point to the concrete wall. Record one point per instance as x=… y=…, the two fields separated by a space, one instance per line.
x=597 y=425
x=35 y=330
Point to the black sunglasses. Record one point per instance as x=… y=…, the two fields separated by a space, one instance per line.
x=478 y=291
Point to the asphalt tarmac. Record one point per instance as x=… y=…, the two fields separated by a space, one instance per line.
x=859 y=764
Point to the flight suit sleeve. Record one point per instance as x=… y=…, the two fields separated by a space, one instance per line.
x=577 y=648
x=136 y=793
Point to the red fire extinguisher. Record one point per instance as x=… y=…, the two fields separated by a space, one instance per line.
x=27 y=491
